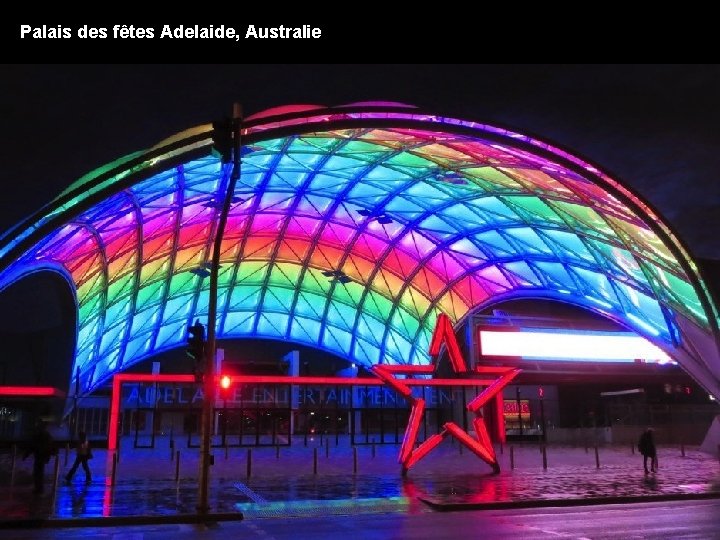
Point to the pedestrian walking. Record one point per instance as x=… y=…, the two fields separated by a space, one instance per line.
x=646 y=446
x=41 y=448
x=82 y=455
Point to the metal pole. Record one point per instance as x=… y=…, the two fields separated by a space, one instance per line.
x=542 y=418
x=177 y=467
x=519 y=406
x=224 y=427
x=209 y=382
x=76 y=411
x=113 y=471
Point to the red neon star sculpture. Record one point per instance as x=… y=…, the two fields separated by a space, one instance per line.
x=481 y=445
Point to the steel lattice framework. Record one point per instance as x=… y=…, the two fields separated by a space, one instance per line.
x=351 y=230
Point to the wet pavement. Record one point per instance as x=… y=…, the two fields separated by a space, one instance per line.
x=322 y=479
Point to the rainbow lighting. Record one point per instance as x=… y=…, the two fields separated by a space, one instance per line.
x=352 y=229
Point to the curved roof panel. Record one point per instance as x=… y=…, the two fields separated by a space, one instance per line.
x=351 y=229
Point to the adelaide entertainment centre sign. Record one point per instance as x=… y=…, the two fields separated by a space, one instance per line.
x=179 y=395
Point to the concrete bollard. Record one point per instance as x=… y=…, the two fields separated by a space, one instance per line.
x=248 y=470
x=315 y=460
x=56 y=474
x=512 y=457
x=355 y=463
x=597 y=458
x=177 y=466
x=544 y=456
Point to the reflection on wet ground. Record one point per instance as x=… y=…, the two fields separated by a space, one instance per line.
x=282 y=483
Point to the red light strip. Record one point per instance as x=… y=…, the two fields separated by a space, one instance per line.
x=31 y=391
x=408 y=369
x=424 y=449
x=500 y=418
x=122 y=378
x=494 y=370
x=398 y=385
x=350 y=381
x=149 y=377
x=482 y=447
x=118 y=380
x=386 y=375
x=491 y=391
x=444 y=333
x=413 y=426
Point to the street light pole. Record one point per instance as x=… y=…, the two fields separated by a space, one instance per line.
x=542 y=413
x=519 y=409
x=208 y=404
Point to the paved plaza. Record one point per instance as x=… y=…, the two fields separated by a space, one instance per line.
x=330 y=477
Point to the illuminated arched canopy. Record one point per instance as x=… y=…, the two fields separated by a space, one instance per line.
x=415 y=214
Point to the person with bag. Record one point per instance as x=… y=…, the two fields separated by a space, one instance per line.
x=41 y=447
x=646 y=446
x=83 y=454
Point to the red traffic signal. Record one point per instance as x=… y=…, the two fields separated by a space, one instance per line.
x=225 y=382
x=196 y=350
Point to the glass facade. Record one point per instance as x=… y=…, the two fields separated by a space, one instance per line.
x=351 y=239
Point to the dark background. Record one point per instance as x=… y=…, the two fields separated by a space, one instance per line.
x=654 y=127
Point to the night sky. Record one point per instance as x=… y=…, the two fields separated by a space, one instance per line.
x=654 y=127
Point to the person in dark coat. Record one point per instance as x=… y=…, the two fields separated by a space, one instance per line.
x=41 y=447
x=82 y=455
x=647 y=448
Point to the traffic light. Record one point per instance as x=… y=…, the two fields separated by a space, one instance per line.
x=222 y=137
x=225 y=384
x=196 y=350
